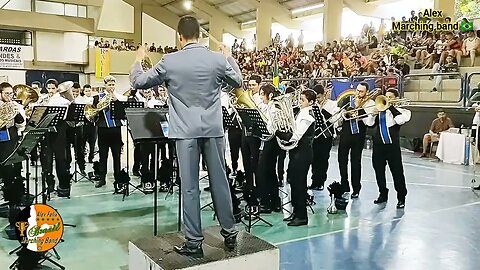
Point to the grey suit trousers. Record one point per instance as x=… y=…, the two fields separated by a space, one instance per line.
x=188 y=152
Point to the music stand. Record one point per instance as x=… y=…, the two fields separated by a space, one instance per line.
x=252 y=120
x=320 y=122
x=147 y=128
x=227 y=119
x=76 y=114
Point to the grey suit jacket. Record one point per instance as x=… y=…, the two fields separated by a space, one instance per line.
x=194 y=77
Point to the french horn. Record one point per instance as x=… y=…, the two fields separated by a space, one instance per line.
x=8 y=111
x=25 y=94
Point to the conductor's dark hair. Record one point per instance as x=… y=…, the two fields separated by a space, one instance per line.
x=256 y=78
x=188 y=27
x=309 y=94
x=269 y=89
x=52 y=81
x=4 y=85
x=394 y=92
x=76 y=85
x=319 y=89
x=289 y=90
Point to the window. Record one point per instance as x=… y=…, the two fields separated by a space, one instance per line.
x=82 y=11
x=15 y=37
x=22 y=5
x=71 y=10
x=43 y=6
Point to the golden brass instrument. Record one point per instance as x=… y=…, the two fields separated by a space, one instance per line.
x=91 y=111
x=382 y=103
x=26 y=94
x=355 y=113
x=8 y=111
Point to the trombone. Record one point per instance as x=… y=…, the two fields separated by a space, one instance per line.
x=382 y=103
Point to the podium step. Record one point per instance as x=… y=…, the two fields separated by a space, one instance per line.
x=156 y=253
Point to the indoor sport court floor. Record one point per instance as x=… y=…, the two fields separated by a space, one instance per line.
x=436 y=230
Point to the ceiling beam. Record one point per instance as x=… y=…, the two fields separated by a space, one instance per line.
x=210 y=13
x=279 y=13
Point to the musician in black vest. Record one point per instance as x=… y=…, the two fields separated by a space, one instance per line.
x=54 y=145
x=89 y=128
x=251 y=148
x=300 y=157
x=109 y=132
x=352 y=139
x=75 y=134
x=282 y=154
x=386 y=148
x=267 y=176
x=13 y=187
x=324 y=132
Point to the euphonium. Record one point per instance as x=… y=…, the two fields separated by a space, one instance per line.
x=8 y=111
x=91 y=111
x=283 y=118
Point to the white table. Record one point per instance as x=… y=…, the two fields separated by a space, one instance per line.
x=451 y=148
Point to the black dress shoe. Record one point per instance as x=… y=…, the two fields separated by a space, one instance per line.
x=230 y=242
x=100 y=184
x=298 y=222
x=381 y=199
x=195 y=252
x=265 y=210
x=289 y=218
x=401 y=204
x=277 y=209
x=477 y=188
x=354 y=195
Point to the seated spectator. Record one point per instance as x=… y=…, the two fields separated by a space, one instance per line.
x=402 y=66
x=471 y=46
x=448 y=67
x=453 y=47
x=153 y=48
x=442 y=123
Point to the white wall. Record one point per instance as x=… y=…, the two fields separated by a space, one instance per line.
x=14 y=76
x=116 y=16
x=156 y=32
x=62 y=47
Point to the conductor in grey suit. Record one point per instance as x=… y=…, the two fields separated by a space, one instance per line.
x=194 y=77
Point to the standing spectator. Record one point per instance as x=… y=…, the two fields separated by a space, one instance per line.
x=300 y=41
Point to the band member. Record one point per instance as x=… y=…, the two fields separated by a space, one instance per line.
x=282 y=154
x=386 y=148
x=54 y=144
x=75 y=134
x=324 y=132
x=300 y=157
x=352 y=139
x=89 y=128
x=251 y=148
x=267 y=176
x=13 y=187
x=37 y=86
x=147 y=158
x=109 y=134
x=475 y=133
x=196 y=123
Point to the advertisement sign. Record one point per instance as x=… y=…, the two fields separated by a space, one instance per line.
x=12 y=56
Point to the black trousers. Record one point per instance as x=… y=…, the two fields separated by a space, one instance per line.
x=321 y=154
x=250 y=156
x=267 y=176
x=137 y=157
x=75 y=141
x=300 y=160
x=54 y=146
x=90 y=134
x=109 y=139
x=13 y=188
x=147 y=161
x=235 y=141
x=351 y=145
x=282 y=154
x=391 y=154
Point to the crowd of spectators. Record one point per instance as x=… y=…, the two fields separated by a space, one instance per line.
x=125 y=46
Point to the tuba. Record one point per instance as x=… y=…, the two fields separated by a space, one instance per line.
x=91 y=111
x=8 y=111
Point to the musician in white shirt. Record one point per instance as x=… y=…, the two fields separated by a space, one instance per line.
x=75 y=133
x=55 y=144
x=89 y=129
x=386 y=148
x=267 y=182
x=300 y=157
x=324 y=134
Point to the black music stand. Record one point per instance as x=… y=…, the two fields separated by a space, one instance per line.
x=252 y=120
x=76 y=114
x=147 y=128
x=320 y=122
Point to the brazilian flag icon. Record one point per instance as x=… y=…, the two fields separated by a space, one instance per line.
x=466 y=26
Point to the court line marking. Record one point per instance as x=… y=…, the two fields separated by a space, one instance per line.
x=372 y=225
x=424 y=184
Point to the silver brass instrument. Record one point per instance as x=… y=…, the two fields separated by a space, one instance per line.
x=91 y=112
x=8 y=111
x=65 y=90
x=283 y=118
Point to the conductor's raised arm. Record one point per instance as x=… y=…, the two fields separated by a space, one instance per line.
x=233 y=75
x=145 y=80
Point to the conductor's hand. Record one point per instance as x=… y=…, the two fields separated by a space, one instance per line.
x=227 y=52
x=141 y=53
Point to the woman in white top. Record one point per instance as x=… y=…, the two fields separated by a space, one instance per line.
x=471 y=46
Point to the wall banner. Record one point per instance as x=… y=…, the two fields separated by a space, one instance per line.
x=12 y=56
x=102 y=63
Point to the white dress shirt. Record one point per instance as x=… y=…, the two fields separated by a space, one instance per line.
x=391 y=121
x=302 y=122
